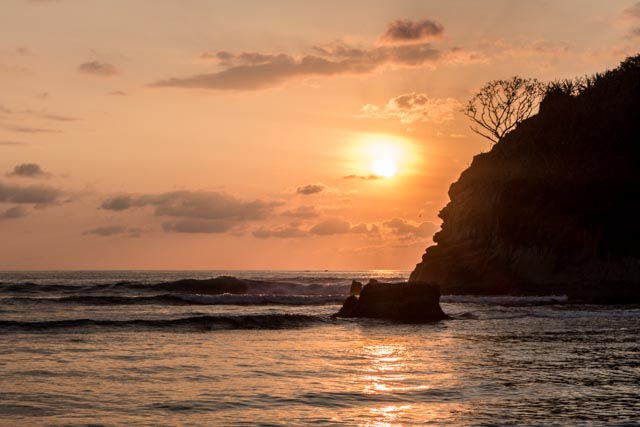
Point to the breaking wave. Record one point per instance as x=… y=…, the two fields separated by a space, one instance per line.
x=189 y=324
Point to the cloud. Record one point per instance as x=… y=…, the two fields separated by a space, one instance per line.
x=288 y=232
x=540 y=51
x=331 y=226
x=360 y=228
x=49 y=116
x=277 y=69
x=406 y=44
x=301 y=212
x=114 y=230
x=413 y=107
x=406 y=31
x=12 y=143
x=118 y=93
x=28 y=170
x=369 y=177
x=199 y=226
x=29 y=129
x=633 y=11
x=193 y=204
x=12 y=118
x=13 y=213
x=103 y=69
x=633 y=14
x=195 y=211
x=34 y=194
x=118 y=203
x=405 y=229
x=311 y=189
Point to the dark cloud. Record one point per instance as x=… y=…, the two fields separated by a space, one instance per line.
x=331 y=226
x=118 y=93
x=413 y=107
x=28 y=170
x=301 y=212
x=406 y=31
x=288 y=232
x=33 y=194
x=115 y=230
x=406 y=229
x=13 y=213
x=118 y=203
x=199 y=226
x=369 y=177
x=103 y=69
x=311 y=189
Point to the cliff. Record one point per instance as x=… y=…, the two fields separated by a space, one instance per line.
x=553 y=207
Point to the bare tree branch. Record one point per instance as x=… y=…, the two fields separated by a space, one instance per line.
x=502 y=104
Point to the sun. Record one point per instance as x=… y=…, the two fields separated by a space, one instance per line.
x=384 y=166
x=384 y=157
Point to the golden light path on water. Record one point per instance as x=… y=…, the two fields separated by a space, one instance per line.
x=388 y=372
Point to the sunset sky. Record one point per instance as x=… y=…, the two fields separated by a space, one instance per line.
x=187 y=134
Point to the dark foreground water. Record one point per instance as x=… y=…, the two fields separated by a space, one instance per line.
x=85 y=348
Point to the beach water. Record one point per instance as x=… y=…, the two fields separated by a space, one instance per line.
x=113 y=348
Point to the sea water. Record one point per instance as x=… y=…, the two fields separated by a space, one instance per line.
x=111 y=348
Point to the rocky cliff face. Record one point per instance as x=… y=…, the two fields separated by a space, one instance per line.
x=554 y=206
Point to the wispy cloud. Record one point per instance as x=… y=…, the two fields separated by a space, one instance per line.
x=14 y=212
x=29 y=129
x=195 y=211
x=413 y=107
x=114 y=230
x=12 y=143
x=96 y=68
x=301 y=212
x=408 y=45
x=370 y=177
x=310 y=189
x=632 y=13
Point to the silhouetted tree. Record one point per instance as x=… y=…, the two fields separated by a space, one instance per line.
x=501 y=104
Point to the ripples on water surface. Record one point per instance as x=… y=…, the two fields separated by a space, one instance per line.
x=499 y=361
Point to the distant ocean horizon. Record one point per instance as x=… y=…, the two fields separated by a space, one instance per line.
x=118 y=347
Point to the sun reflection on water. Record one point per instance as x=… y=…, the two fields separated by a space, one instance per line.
x=404 y=386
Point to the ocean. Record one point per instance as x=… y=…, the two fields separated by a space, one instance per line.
x=110 y=348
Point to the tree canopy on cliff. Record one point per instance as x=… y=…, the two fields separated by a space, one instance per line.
x=502 y=104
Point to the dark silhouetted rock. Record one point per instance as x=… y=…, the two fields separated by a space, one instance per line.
x=356 y=288
x=552 y=208
x=416 y=302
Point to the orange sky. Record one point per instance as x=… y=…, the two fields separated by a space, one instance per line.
x=241 y=135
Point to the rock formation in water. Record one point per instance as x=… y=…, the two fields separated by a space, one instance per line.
x=553 y=206
x=416 y=302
